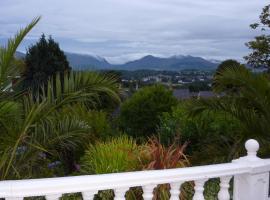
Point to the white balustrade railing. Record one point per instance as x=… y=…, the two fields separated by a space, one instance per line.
x=250 y=181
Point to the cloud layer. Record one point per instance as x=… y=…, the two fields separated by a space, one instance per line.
x=121 y=30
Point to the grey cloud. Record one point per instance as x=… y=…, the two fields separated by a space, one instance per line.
x=121 y=30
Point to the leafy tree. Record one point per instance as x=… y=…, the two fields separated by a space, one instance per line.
x=260 y=56
x=139 y=115
x=43 y=60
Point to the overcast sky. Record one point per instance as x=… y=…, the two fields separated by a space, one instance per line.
x=122 y=30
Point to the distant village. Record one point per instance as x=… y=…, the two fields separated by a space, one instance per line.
x=185 y=84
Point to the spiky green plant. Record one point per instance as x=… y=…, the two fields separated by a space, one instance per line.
x=117 y=155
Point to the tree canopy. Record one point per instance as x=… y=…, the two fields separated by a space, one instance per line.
x=227 y=64
x=43 y=60
x=140 y=114
x=260 y=46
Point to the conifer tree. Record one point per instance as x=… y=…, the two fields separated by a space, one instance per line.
x=43 y=60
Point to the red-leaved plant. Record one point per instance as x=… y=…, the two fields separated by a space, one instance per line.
x=155 y=156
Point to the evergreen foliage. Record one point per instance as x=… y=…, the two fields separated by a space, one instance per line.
x=43 y=60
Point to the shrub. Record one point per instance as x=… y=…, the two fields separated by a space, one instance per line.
x=117 y=155
x=212 y=133
x=156 y=156
x=98 y=122
x=139 y=115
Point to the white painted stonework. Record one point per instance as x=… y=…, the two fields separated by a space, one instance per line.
x=250 y=175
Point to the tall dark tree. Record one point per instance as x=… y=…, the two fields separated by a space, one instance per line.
x=43 y=60
x=260 y=46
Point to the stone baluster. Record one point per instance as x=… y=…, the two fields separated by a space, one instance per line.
x=89 y=195
x=148 y=192
x=224 y=188
x=120 y=193
x=199 y=188
x=175 y=191
x=53 y=196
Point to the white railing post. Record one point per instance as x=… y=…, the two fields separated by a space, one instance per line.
x=223 y=193
x=88 y=195
x=53 y=197
x=120 y=193
x=255 y=184
x=199 y=188
x=175 y=190
x=148 y=192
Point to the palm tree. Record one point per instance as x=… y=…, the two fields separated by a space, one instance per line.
x=36 y=129
x=247 y=100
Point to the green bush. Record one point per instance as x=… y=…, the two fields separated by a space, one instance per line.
x=117 y=155
x=212 y=134
x=139 y=115
x=97 y=121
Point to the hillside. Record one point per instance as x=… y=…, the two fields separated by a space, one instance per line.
x=173 y=63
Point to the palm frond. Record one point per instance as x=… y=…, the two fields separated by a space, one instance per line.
x=84 y=87
x=7 y=67
x=249 y=103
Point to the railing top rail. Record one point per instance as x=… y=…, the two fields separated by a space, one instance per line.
x=249 y=166
x=40 y=187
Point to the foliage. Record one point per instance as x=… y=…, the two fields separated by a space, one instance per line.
x=207 y=133
x=99 y=124
x=123 y=154
x=169 y=128
x=198 y=86
x=249 y=105
x=139 y=115
x=45 y=126
x=260 y=56
x=225 y=64
x=43 y=60
x=157 y=156
x=8 y=67
x=37 y=133
x=116 y=155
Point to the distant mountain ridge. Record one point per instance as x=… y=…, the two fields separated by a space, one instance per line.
x=84 y=62
x=170 y=63
x=173 y=63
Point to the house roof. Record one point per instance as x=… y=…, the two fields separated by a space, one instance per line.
x=206 y=94
x=181 y=93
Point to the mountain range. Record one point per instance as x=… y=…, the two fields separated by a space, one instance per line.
x=173 y=63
